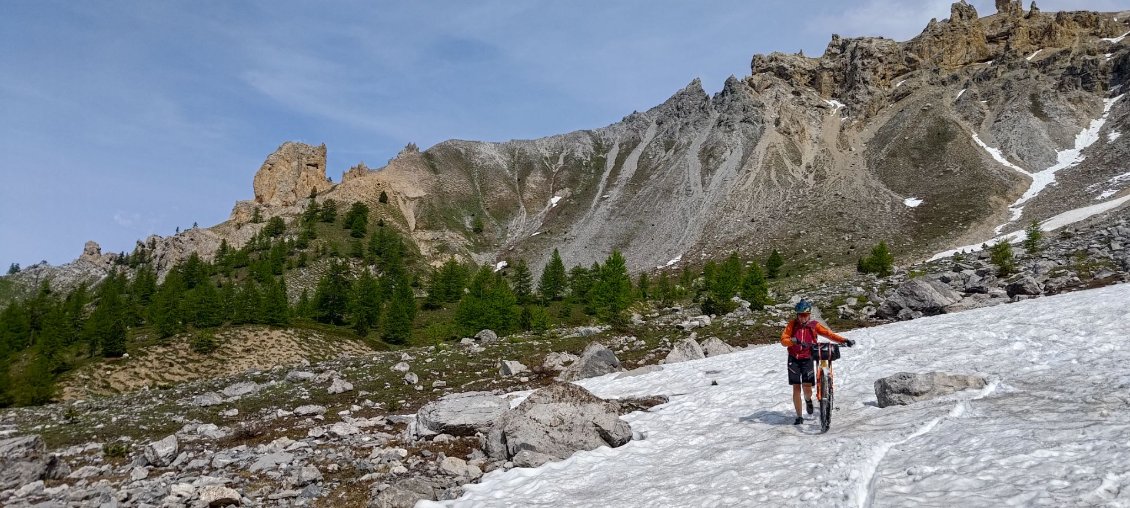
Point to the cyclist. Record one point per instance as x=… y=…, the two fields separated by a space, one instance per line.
x=798 y=336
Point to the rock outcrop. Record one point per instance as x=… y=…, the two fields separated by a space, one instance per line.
x=290 y=174
x=596 y=360
x=460 y=414
x=555 y=422
x=907 y=388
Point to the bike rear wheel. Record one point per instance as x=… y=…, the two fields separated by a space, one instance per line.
x=824 y=390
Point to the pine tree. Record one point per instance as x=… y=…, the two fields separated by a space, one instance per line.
x=311 y=213
x=755 y=289
x=205 y=307
x=249 y=304
x=357 y=220
x=365 y=303
x=553 y=280
x=165 y=314
x=664 y=290
x=383 y=198
x=580 y=283
x=1032 y=237
x=331 y=296
x=1001 y=255
x=522 y=281
x=275 y=227
x=276 y=310
x=643 y=287
x=487 y=304
x=446 y=284
x=722 y=283
x=773 y=264
x=328 y=212
x=13 y=268
x=256 y=217
x=400 y=312
x=114 y=341
x=613 y=289
x=302 y=309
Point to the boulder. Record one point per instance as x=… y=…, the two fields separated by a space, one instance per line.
x=411 y=378
x=714 y=346
x=404 y=494
x=486 y=336
x=510 y=368
x=453 y=466
x=922 y=295
x=907 y=388
x=596 y=360
x=460 y=414
x=684 y=350
x=310 y=410
x=300 y=375
x=559 y=361
x=23 y=460
x=162 y=453
x=553 y=423
x=339 y=385
x=1023 y=284
x=240 y=389
x=218 y=495
x=401 y=367
x=207 y=399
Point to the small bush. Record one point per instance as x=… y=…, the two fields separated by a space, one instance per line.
x=203 y=342
x=117 y=449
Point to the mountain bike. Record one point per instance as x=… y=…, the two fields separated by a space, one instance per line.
x=823 y=353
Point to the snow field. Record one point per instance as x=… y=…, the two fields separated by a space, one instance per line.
x=1050 y=429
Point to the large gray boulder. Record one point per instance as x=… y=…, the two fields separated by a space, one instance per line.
x=486 y=336
x=1023 y=284
x=596 y=360
x=162 y=453
x=907 y=388
x=460 y=414
x=553 y=423
x=24 y=460
x=684 y=350
x=922 y=295
x=404 y=494
x=714 y=346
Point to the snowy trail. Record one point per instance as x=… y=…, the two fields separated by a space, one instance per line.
x=1047 y=430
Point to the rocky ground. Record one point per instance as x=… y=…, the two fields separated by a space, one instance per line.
x=387 y=429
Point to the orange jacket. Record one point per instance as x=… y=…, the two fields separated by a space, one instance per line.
x=818 y=328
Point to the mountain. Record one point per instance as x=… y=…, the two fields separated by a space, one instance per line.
x=975 y=127
x=1037 y=434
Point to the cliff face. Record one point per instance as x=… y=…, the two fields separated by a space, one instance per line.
x=818 y=156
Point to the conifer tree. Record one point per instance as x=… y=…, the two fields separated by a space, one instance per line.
x=1032 y=237
x=553 y=280
x=773 y=264
x=383 y=198
x=643 y=287
x=1001 y=255
x=165 y=312
x=722 y=285
x=365 y=303
x=613 y=289
x=13 y=268
x=328 y=212
x=357 y=220
x=488 y=304
x=311 y=213
x=275 y=227
x=522 y=281
x=302 y=309
x=332 y=294
x=205 y=307
x=665 y=290
x=276 y=310
x=400 y=312
x=446 y=284
x=249 y=304
x=755 y=289
x=580 y=283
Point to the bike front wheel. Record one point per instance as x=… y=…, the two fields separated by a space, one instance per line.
x=824 y=390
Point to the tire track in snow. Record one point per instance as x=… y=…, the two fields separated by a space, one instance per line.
x=866 y=488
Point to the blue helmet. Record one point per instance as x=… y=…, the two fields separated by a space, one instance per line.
x=803 y=306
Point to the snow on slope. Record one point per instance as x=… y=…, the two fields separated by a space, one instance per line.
x=1050 y=429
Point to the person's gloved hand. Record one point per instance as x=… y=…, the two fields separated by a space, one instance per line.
x=849 y=342
x=797 y=342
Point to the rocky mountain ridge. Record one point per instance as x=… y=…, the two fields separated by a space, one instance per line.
x=817 y=156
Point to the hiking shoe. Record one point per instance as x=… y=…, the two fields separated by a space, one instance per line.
x=808 y=406
x=798 y=421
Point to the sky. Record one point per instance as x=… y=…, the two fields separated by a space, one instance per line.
x=128 y=118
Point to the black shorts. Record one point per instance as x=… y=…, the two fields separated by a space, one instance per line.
x=801 y=371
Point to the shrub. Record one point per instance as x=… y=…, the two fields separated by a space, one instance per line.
x=203 y=342
x=1001 y=255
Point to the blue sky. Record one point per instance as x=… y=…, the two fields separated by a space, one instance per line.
x=129 y=118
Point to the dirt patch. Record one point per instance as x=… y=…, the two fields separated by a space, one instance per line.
x=173 y=361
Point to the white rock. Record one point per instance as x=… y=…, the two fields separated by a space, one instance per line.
x=402 y=367
x=454 y=466
x=411 y=378
x=242 y=388
x=162 y=453
x=340 y=385
x=139 y=473
x=310 y=410
x=219 y=495
x=510 y=368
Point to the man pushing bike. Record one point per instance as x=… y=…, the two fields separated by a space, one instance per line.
x=799 y=336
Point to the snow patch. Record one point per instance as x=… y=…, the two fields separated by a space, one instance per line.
x=554 y=200
x=500 y=265
x=1110 y=184
x=1112 y=136
x=836 y=105
x=535 y=234
x=996 y=154
x=1118 y=39
x=672 y=262
x=959 y=94
x=1033 y=55
x=912 y=202
x=900 y=83
x=726 y=438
